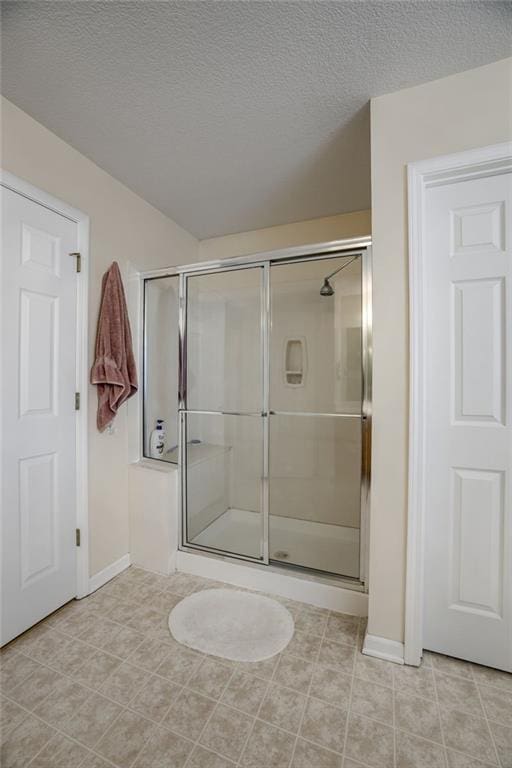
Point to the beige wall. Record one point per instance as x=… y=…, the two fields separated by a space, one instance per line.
x=468 y=110
x=343 y=225
x=124 y=228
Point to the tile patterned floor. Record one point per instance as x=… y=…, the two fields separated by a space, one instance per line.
x=102 y=683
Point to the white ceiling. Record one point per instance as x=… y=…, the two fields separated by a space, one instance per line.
x=230 y=116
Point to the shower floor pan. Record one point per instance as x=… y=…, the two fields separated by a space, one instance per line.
x=324 y=547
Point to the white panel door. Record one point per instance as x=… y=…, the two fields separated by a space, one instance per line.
x=38 y=412
x=468 y=359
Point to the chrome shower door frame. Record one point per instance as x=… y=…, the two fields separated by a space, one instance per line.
x=323 y=251
x=184 y=411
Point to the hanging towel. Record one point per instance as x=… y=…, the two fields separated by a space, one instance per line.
x=114 y=371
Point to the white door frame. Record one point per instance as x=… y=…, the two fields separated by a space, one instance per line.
x=9 y=181
x=475 y=163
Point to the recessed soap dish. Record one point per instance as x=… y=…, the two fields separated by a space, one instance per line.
x=295 y=361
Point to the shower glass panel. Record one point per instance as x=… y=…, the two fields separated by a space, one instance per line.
x=222 y=414
x=224 y=468
x=224 y=341
x=316 y=415
x=160 y=376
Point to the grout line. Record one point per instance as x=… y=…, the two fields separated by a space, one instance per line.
x=498 y=760
x=438 y=706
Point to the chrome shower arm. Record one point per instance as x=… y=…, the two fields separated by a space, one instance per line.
x=342 y=266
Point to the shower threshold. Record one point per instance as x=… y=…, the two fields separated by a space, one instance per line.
x=319 y=546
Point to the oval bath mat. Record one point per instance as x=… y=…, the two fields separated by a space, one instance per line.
x=241 y=626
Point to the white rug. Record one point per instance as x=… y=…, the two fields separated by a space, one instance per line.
x=236 y=625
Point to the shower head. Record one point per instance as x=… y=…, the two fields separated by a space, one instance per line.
x=326 y=289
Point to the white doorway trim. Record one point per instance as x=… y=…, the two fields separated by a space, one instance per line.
x=475 y=163
x=9 y=181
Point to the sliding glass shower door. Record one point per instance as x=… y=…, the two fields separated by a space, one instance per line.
x=223 y=442
x=315 y=414
x=273 y=436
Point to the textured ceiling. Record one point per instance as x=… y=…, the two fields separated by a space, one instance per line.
x=230 y=116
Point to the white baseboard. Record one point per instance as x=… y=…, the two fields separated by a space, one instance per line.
x=382 y=648
x=108 y=573
x=303 y=588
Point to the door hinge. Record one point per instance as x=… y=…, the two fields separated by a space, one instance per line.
x=78 y=258
x=77 y=401
x=77 y=536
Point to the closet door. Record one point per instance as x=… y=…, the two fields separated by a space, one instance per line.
x=468 y=441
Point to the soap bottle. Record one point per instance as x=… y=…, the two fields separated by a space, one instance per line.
x=157 y=440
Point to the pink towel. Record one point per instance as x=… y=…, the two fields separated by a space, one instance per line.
x=114 y=370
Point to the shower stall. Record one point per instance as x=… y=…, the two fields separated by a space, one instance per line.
x=261 y=369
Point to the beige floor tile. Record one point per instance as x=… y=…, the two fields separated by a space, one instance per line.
x=124 y=683
x=145 y=593
x=60 y=752
x=349 y=763
x=11 y=715
x=77 y=622
x=376 y=670
x=458 y=693
x=211 y=678
x=466 y=733
x=370 y=742
x=458 y=760
x=294 y=673
x=149 y=654
x=100 y=633
x=145 y=619
x=245 y=692
x=25 y=642
x=337 y=655
x=124 y=642
x=324 y=724
x=372 y=700
x=449 y=666
x=311 y=756
x=418 y=716
x=15 y=669
x=95 y=761
x=164 y=602
x=47 y=646
x=88 y=724
x=72 y=656
x=503 y=739
x=180 y=664
x=415 y=681
x=155 y=698
x=183 y=583
x=312 y=620
x=342 y=628
x=164 y=750
x=203 y=758
x=497 y=704
x=226 y=732
x=264 y=669
x=67 y=696
x=24 y=742
x=332 y=685
x=303 y=645
x=494 y=677
x=94 y=673
x=125 y=738
x=188 y=714
x=414 y=752
x=123 y=611
x=283 y=707
x=268 y=747
x=32 y=691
